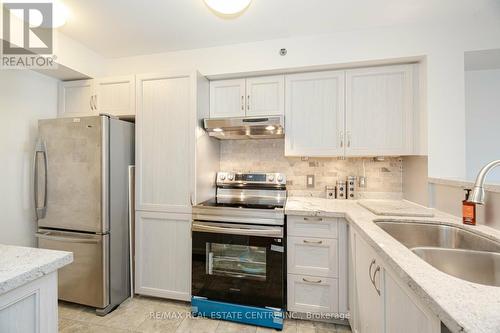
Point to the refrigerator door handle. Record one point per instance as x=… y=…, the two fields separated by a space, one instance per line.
x=40 y=148
x=54 y=236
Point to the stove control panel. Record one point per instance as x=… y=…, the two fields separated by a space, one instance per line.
x=257 y=178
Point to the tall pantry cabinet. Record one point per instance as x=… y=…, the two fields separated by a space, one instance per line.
x=170 y=141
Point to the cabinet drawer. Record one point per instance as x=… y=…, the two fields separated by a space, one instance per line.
x=312 y=256
x=312 y=226
x=312 y=294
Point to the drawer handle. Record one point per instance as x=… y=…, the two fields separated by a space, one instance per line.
x=313 y=219
x=312 y=242
x=311 y=281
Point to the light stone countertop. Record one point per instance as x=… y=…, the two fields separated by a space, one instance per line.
x=461 y=305
x=20 y=265
x=396 y=208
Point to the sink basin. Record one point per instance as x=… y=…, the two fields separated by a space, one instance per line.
x=452 y=250
x=435 y=235
x=474 y=266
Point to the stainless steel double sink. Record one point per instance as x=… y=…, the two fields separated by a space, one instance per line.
x=450 y=249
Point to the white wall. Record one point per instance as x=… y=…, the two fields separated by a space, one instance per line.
x=25 y=97
x=483 y=121
x=443 y=47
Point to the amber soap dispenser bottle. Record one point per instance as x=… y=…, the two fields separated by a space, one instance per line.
x=468 y=210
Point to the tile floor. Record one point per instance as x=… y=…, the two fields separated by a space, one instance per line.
x=134 y=315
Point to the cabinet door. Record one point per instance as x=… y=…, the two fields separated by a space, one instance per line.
x=265 y=96
x=308 y=294
x=379 y=111
x=314 y=114
x=403 y=313
x=370 y=302
x=165 y=139
x=227 y=98
x=115 y=95
x=76 y=99
x=163 y=255
x=312 y=256
x=353 y=297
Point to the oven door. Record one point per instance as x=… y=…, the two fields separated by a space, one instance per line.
x=239 y=263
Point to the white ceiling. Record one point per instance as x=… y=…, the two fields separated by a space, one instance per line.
x=119 y=28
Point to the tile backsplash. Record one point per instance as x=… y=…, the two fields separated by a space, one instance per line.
x=383 y=178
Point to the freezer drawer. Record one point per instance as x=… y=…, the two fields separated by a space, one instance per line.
x=85 y=281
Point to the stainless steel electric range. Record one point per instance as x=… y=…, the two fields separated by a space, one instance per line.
x=239 y=243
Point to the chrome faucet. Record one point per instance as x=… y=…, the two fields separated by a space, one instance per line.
x=478 y=194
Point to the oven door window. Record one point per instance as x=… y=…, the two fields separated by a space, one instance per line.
x=239 y=261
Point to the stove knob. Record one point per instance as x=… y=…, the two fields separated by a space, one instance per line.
x=270 y=178
x=280 y=178
x=222 y=177
x=230 y=177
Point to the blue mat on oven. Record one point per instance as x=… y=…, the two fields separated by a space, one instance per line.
x=265 y=317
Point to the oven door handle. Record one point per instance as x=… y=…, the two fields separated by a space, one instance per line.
x=264 y=232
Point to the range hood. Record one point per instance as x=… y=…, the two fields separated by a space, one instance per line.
x=271 y=127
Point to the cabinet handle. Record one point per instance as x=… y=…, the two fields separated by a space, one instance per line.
x=319 y=219
x=348 y=139
x=242 y=102
x=191 y=199
x=341 y=139
x=370 y=270
x=311 y=281
x=374 y=275
x=91 y=104
x=312 y=242
x=95 y=102
x=248 y=102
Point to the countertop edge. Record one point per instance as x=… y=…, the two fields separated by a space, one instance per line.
x=35 y=273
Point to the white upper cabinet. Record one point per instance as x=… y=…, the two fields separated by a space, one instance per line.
x=165 y=135
x=257 y=96
x=265 y=96
x=379 y=111
x=359 y=112
x=227 y=98
x=115 y=95
x=76 y=98
x=314 y=114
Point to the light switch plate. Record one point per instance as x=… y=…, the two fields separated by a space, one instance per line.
x=310 y=181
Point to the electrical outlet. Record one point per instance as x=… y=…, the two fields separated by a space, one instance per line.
x=310 y=181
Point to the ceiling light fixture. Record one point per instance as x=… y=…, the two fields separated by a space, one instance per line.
x=217 y=129
x=270 y=128
x=228 y=7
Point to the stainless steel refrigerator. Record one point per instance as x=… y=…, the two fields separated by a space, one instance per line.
x=81 y=191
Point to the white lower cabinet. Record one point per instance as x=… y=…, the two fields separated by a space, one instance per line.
x=379 y=301
x=31 y=308
x=312 y=294
x=368 y=289
x=402 y=312
x=317 y=265
x=163 y=254
x=312 y=256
